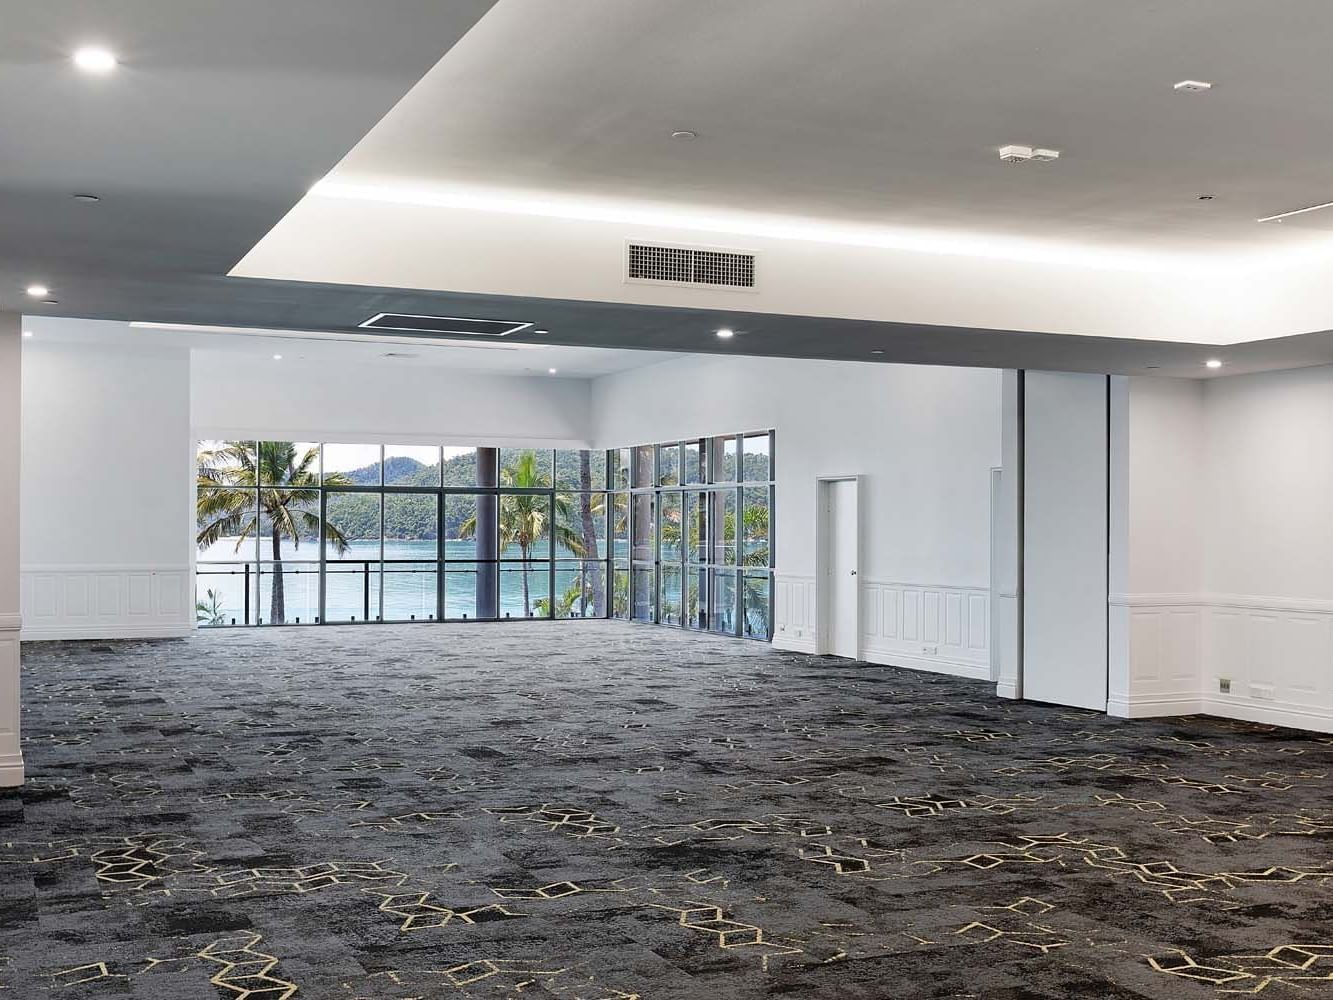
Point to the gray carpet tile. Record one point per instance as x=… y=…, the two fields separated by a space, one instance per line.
x=596 y=811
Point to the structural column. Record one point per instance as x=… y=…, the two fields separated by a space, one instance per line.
x=11 y=759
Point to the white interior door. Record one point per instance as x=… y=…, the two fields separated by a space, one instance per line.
x=1065 y=539
x=841 y=567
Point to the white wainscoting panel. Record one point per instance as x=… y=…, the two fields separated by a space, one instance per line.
x=1278 y=655
x=794 y=612
x=106 y=602
x=11 y=754
x=1162 y=638
x=932 y=627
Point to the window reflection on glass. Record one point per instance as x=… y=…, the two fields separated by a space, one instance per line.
x=755 y=597
x=692 y=465
x=645 y=580
x=461 y=467
x=722 y=520
x=670 y=526
x=696 y=526
x=668 y=465
x=620 y=526
x=696 y=587
x=722 y=614
x=620 y=469
x=644 y=526
x=411 y=465
x=723 y=465
x=351 y=465
x=754 y=526
x=645 y=472
x=755 y=458
x=672 y=610
x=620 y=591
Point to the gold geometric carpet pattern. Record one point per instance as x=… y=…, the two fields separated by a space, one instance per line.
x=594 y=811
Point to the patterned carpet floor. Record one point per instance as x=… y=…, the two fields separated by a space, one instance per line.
x=595 y=811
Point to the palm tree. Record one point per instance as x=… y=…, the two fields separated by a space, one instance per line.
x=288 y=488
x=525 y=517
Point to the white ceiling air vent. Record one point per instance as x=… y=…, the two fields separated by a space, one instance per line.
x=699 y=267
x=435 y=325
x=1025 y=154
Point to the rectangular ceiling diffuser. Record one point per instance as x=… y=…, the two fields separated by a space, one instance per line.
x=701 y=267
x=412 y=323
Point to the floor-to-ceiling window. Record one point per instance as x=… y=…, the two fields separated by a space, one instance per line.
x=307 y=533
x=692 y=534
x=300 y=532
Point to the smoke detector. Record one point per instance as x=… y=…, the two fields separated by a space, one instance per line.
x=1022 y=154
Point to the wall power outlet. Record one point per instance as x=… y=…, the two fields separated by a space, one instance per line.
x=1224 y=685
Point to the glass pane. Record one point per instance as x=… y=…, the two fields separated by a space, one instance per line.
x=352 y=526
x=620 y=525
x=410 y=590
x=580 y=470
x=696 y=586
x=645 y=458
x=352 y=465
x=470 y=526
x=669 y=522
x=754 y=526
x=226 y=524
x=411 y=525
x=225 y=594
x=580 y=525
x=693 y=465
x=525 y=468
x=756 y=598
x=722 y=614
x=722 y=518
x=525 y=525
x=645 y=580
x=671 y=611
x=757 y=469
x=724 y=459
x=645 y=522
x=470 y=590
x=696 y=526
x=288 y=593
x=620 y=592
x=460 y=466
x=620 y=460
x=411 y=465
x=580 y=590
x=289 y=526
x=525 y=590
x=668 y=464
x=283 y=462
x=218 y=463
x=351 y=591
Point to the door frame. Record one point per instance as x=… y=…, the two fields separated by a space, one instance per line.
x=822 y=491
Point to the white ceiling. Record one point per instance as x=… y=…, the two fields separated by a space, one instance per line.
x=346 y=349
x=889 y=113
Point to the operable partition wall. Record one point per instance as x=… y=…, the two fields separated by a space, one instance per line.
x=317 y=533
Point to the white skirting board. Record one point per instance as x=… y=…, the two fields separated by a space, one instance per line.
x=106 y=602
x=934 y=627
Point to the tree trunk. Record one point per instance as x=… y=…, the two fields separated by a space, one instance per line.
x=278 y=609
x=590 y=534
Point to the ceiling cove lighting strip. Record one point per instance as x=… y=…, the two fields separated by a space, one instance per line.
x=1299 y=211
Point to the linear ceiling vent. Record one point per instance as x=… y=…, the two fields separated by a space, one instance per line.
x=701 y=267
x=435 y=325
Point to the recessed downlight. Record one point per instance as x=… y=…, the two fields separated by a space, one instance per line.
x=277 y=357
x=726 y=333
x=552 y=371
x=684 y=135
x=1213 y=363
x=38 y=291
x=538 y=333
x=95 y=59
x=27 y=333
x=1192 y=87
x=876 y=351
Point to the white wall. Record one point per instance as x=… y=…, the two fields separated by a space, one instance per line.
x=1156 y=609
x=925 y=440
x=106 y=492
x=11 y=757
x=236 y=395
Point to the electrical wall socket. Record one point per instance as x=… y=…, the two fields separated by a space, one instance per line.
x=930 y=650
x=1224 y=685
